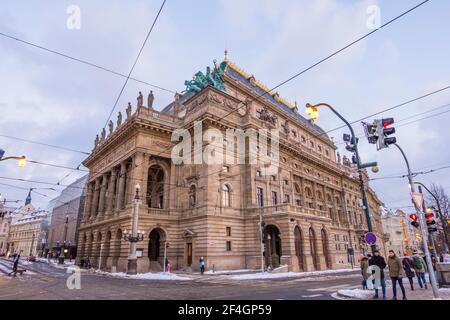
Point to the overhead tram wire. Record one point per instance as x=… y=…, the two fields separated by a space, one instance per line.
x=135 y=61
x=44 y=144
x=310 y=67
x=81 y=61
x=360 y=135
x=130 y=72
x=242 y=103
x=409 y=117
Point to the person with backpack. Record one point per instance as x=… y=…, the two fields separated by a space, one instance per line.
x=396 y=273
x=378 y=260
x=409 y=269
x=420 y=267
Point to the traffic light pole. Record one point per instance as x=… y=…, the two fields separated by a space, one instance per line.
x=359 y=167
x=422 y=227
x=440 y=212
x=430 y=234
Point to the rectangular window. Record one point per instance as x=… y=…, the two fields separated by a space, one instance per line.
x=274 y=198
x=259 y=197
x=228 y=245
x=298 y=202
x=287 y=198
x=258 y=173
x=225 y=169
x=228 y=231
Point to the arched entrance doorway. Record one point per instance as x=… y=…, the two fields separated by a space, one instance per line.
x=155 y=187
x=157 y=238
x=299 y=247
x=272 y=250
x=105 y=251
x=313 y=248
x=325 y=248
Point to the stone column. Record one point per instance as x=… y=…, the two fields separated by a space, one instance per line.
x=88 y=202
x=111 y=186
x=101 y=202
x=95 y=199
x=119 y=192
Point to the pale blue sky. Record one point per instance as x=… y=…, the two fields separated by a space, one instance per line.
x=51 y=99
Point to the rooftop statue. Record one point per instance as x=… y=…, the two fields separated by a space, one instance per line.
x=97 y=139
x=111 y=126
x=213 y=78
x=119 y=119
x=128 y=110
x=140 y=100
x=103 y=134
x=150 y=100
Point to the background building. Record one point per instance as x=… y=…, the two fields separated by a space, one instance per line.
x=65 y=218
x=28 y=229
x=5 y=222
x=310 y=205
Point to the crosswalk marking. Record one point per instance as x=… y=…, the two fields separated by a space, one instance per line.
x=334 y=288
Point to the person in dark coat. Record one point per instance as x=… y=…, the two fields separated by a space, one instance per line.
x=378 y=260
x=409 y=269
x=15 y=265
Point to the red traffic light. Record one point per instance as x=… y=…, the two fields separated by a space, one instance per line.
x=429 y=216
x=413 y=217
x=387 y=122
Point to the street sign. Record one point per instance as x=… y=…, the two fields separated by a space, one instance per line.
x=370 y=238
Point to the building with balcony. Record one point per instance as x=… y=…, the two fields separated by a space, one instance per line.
x=307 y=198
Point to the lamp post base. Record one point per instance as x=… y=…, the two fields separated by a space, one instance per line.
x=132 y=266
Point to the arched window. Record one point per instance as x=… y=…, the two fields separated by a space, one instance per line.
x=312 y=246
x=325 y=248
x=319 y=195
x=192 y=196
x=308 y=192
x=297 y=188
x=225 y=195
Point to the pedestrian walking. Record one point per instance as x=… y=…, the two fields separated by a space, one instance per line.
x=15 y=265
x=168 y=266
x=364 y=264
x=420 y=267
x=202 y=265
x=378 y=260
x=396 y=273
x=409 y=269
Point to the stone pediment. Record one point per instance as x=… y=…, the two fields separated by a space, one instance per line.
x=187 y=233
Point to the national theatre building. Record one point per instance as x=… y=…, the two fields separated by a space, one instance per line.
x=309 y=205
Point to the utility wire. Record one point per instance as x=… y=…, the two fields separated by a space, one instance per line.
x=81 y=61
x=135 y=61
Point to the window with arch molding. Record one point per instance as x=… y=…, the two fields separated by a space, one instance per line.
x=192 y=196
x=226 y=190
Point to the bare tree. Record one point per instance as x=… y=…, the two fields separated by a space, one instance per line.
x=441 y=195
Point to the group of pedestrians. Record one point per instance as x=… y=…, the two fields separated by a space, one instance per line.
x=398 y=268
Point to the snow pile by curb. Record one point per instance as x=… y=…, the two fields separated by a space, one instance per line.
x=210 y=272
x=146 y=276
x=268 y=275
x=355 y=294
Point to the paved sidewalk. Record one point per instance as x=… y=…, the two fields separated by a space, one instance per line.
x=417 y=294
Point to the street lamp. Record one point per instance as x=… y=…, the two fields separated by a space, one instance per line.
x=353 y=147
x=21 y=160
x=135 y=235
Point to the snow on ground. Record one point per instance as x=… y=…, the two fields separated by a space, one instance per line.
x=226 y=271
x=146 y=276
x=268 y=275
x=356 y=294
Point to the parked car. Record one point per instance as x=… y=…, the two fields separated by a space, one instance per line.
x=31 y=258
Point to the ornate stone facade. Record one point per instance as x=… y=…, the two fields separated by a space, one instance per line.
x=310 y=207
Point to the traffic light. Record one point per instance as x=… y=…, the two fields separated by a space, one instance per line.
x=413 y=220
x=383 y=131
x=371 y=132
x=431 y=222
